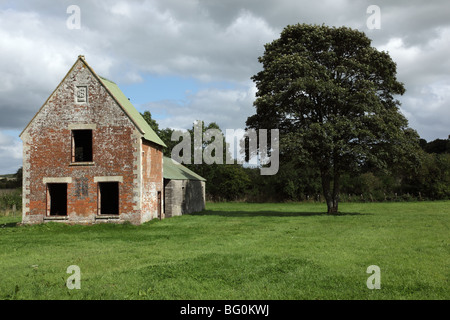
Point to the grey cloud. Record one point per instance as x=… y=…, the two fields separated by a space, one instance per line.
x=235 y=106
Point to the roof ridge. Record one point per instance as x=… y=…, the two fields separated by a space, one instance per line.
x=104 y=78
x=131 y=111
x=174 y=170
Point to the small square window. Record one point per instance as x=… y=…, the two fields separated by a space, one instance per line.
x=81 y=145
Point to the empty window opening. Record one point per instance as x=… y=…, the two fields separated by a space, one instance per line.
x=57 y=199
x=81 y=145
x=108 y=198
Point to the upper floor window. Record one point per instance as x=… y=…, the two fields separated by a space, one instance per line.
x=82 y=146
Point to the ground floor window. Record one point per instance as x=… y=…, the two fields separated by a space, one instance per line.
x=108 y=198
x=57 y=199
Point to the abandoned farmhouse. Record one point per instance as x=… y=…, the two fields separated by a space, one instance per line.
x=89 y=156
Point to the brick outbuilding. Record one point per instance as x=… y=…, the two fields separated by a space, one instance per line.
x=89 y=156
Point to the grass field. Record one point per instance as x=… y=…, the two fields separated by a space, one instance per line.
x=237 y=251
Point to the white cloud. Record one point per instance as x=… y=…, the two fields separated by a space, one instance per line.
x=423 y=67
x=10 y=153
x=428 y=110
x=229 y=108
x=37 y=52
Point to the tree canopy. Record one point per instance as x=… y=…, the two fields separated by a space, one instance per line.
x=224 y=181
x=332 y=96
x=293 y=182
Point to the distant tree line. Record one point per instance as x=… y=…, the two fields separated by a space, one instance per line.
x=429 y=180
x=10 y=192
x=11 y=181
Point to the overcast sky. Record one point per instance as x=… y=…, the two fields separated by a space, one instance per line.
x=185 y=60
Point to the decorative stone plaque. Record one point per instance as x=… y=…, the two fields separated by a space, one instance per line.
x=81 y=94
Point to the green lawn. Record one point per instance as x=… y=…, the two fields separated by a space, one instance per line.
x=237 y=251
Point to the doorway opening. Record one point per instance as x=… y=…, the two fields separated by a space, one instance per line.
x=57 y=199
x=159 y=205
x=108 y=198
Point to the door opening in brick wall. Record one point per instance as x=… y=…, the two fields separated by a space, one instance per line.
x=159 y=205
x=81 y=145
x=108 y=198
x=57 y=199
x=166 y=182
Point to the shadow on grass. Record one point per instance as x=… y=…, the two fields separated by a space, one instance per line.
x=272 y=214
x=9 y=225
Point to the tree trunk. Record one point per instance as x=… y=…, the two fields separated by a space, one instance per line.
x=327 y=190
x=336 y=189
x=331 y=196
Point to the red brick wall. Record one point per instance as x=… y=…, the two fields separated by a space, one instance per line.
x=152 y=183
x=116 y=149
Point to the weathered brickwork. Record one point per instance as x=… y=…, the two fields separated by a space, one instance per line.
x=119 y=153
x=152 y=182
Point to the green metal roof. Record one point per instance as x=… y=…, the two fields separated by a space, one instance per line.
x=135 y=116
x=175 y=171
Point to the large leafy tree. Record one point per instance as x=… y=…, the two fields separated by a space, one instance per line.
x=332 y=96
